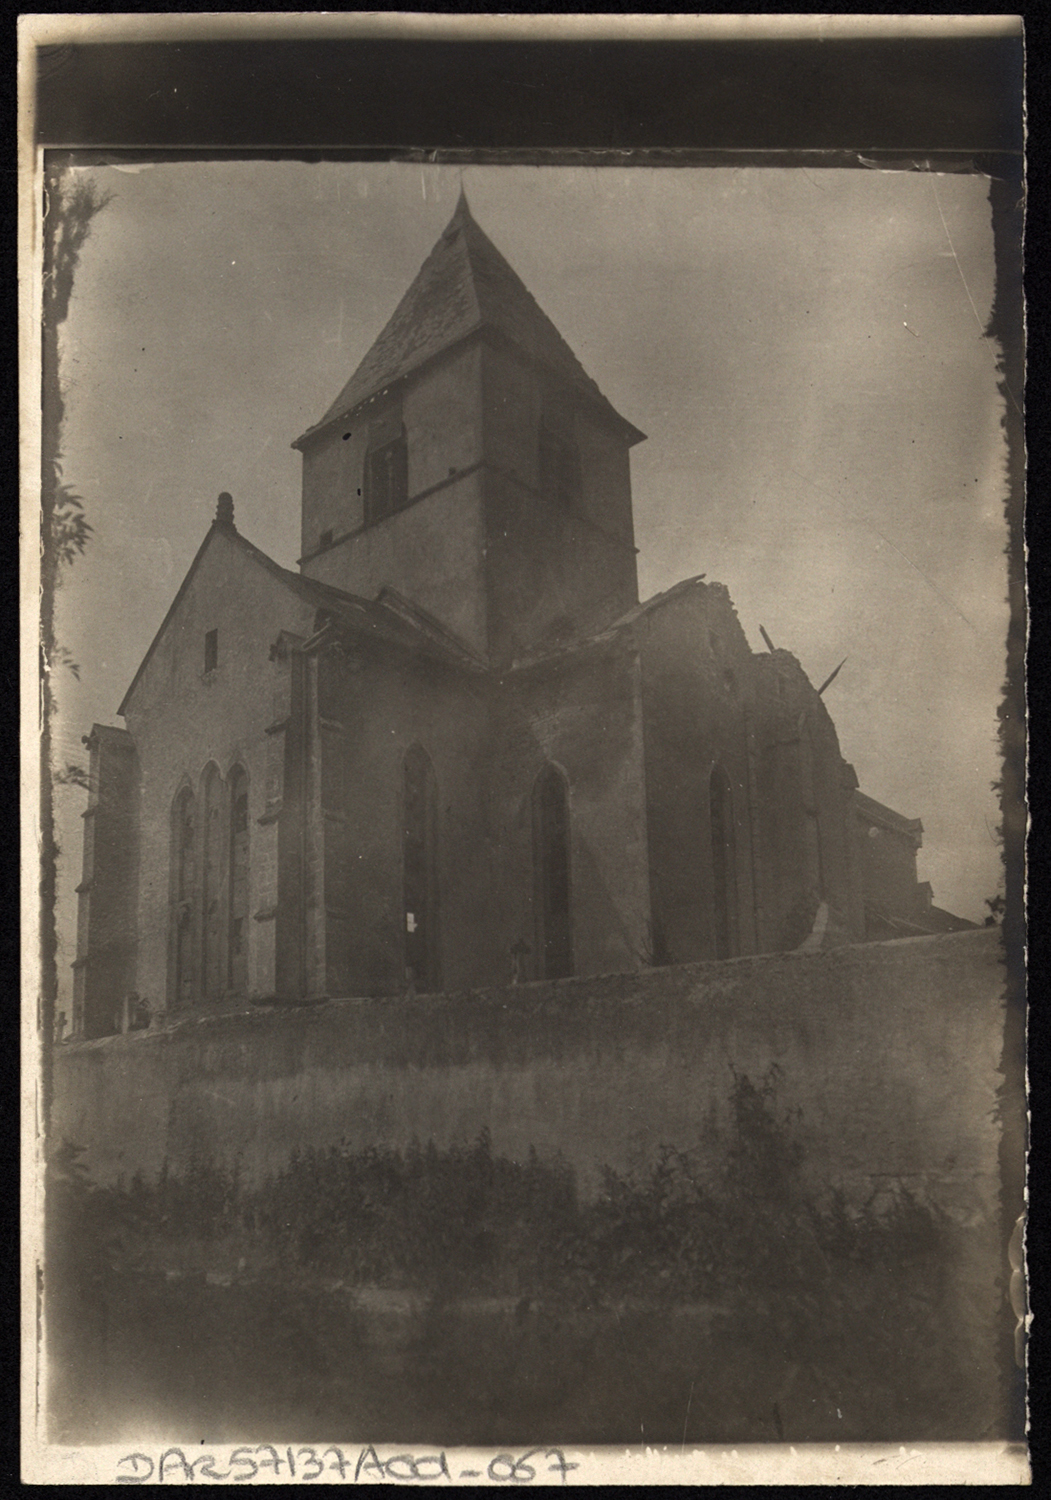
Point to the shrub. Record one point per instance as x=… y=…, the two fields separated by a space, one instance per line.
x=810 y=1300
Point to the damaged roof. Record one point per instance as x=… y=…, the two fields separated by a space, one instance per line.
x=895 y=822
x=614 y=630
x=392 y=618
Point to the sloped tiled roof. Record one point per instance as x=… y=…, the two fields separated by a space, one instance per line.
x=464 y=284
x=387 y=617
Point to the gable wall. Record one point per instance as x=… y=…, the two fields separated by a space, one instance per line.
x=181 y=719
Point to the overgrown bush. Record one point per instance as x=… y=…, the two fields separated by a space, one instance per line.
x=462 y=1219
x=809 y=1303
x=421 y=1218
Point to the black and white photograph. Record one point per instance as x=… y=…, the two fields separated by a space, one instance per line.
x=529 y=792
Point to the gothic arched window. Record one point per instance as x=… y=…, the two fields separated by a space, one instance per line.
x=724 y=864
x=212 y=904
x=420 y=866
x=183 y=894
x=238 y=942
x=551 y=864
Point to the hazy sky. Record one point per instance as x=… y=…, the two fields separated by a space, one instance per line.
x=804 y=350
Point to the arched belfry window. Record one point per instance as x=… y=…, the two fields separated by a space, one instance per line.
x=212 y=904
x=183 y=893
x=420 y=866
x=724 y=864
x=551 y=863
x=238 y=939
x=386 y=478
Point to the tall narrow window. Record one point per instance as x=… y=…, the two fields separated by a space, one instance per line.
x=420 y=854
x=184 y=877
x=238 y=944
x=386 y=483
x=724 y=864
x=211 y=886
x=551 y=861
x=333 y=748
x=211 y=650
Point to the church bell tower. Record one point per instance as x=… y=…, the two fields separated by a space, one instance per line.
x=471 y=465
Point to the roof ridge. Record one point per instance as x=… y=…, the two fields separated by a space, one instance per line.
x=474 y=231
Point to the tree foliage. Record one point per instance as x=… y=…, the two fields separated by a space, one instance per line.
x=71 y=203
x=70 y=528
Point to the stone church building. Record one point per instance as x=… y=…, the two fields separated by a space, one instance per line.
x=454 y=749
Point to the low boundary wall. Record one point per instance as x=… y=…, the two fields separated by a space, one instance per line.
x=892 y=1051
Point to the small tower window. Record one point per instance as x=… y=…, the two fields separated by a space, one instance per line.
x=325 y=539
x=386 y=477
x=211 y=650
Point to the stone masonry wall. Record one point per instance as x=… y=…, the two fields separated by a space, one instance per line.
x=893 y=1052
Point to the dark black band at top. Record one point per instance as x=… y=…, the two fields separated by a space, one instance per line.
x=907 y=95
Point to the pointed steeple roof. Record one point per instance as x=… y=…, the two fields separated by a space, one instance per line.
x=463 y=285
